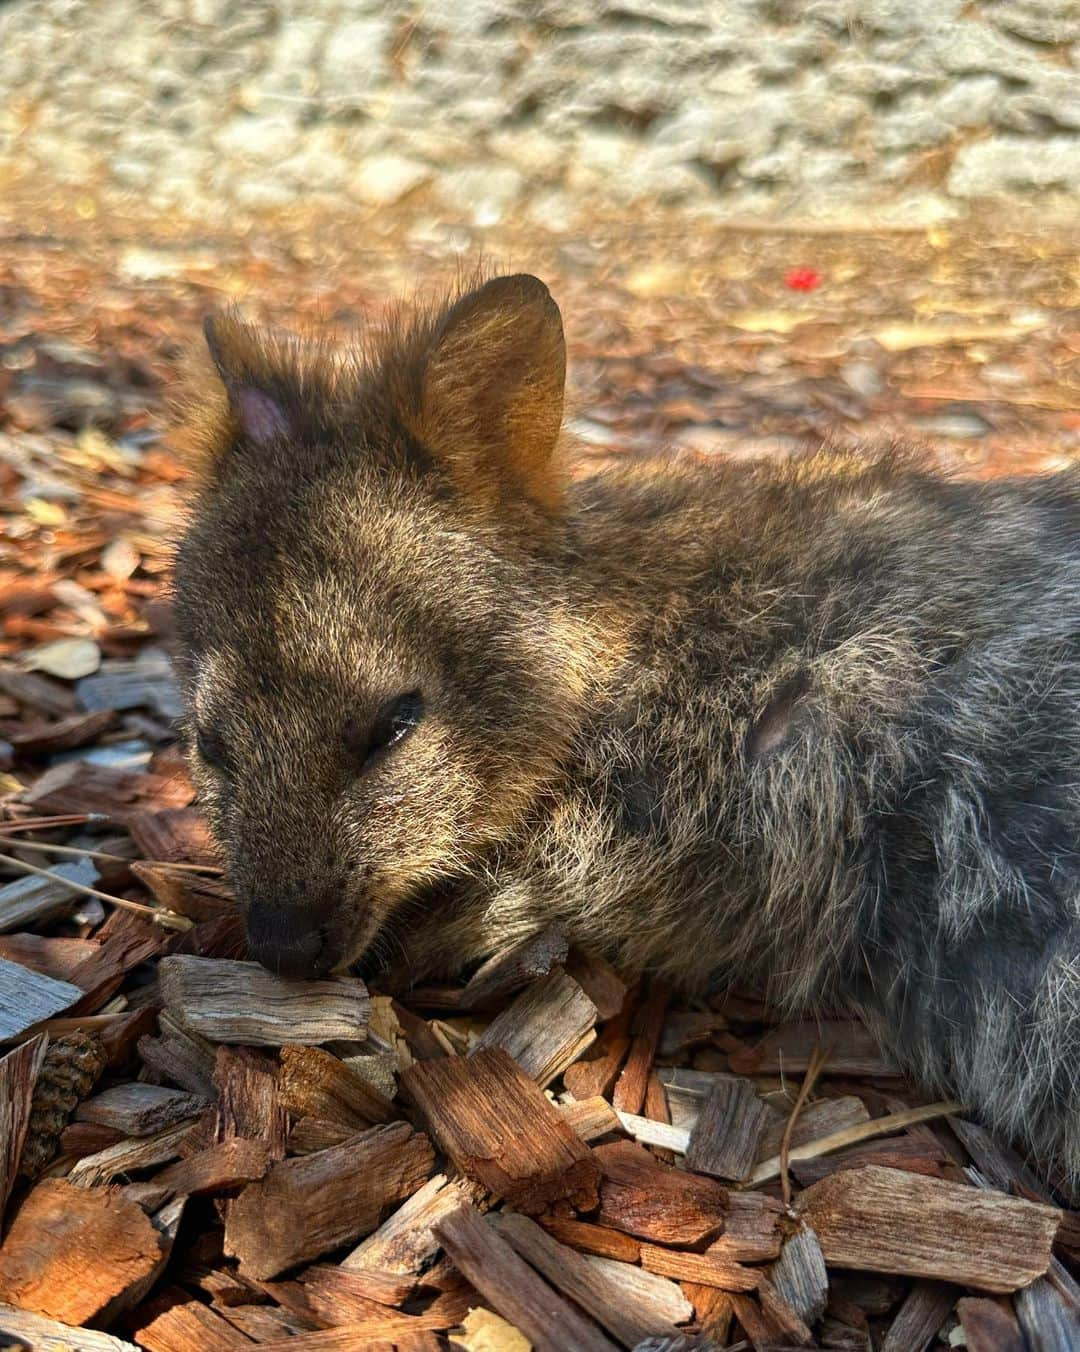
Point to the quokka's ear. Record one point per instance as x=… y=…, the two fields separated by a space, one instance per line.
x=245 y=360
x=491 y=390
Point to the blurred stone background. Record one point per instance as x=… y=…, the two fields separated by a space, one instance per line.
x=912 y=110
x=770 y=224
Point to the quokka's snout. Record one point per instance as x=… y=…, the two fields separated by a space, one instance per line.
x=293 y=938
x=811 y=723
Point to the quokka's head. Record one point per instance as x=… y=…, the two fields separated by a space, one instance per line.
x=379 y=667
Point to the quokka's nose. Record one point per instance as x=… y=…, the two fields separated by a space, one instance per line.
x=289 y=940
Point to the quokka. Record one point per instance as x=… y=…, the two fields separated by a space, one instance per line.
x=811 y=724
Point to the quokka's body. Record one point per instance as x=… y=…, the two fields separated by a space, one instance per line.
x=810 y=724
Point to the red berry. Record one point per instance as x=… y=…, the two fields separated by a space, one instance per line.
x=803 y=279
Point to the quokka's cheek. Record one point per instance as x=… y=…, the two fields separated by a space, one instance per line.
x=369 y=966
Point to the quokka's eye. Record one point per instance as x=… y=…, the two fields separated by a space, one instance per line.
x=392 y=724
x=211 y=747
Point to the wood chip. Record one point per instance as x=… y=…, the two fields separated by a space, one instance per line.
x=266 y=1323
x=129 y=1155
x=874 y=1294
x=753 y=1228
x=1049 y=1320
x=50 y=1335
x=485 y=1331
x=335 y=1297
x=215 y=1169
x=498 y=1127
x=34 y=900
x=629 y=1095
x=173 y=835
x=707 y=1269
x=182 y=1057
x=124 y=942
x=682 y=1342
x=598 y=1074
x=600 y=982
x=120 y=1034
x=63 y=734
x=769 y=1323
x=510 y=969
x=515 y=1291
x=54 y=957
x=314 y=1083
x=687 y=1028
x=1000 y=1167
x=249 y=1099
x=197 y=897
x=800 y=1276
x=689 y=1080
x=79 y=786
x=887 y=1221
x=656 y=1108
x=630 y=1303
x=18 y=1075
x=37 y=692
x=68 y=658
x=989 y=1325
x=137 y=1109
x=546 y=1028
x=826 y=1117
x=647 y=1131
x=386 y=1333
x=1067 y=1240
x=377 y=1322
x=654 y=1201
x=903 y=1152
x=379 y=1069
x=789 y=1049
x=146 y=683
x=191 y=1327
x=305 y=1207
x=309 y=1134
x=724 y=1141
x=418 y=1033
x=71 y=1253
x=1049 y=1309
x=421 y=1341
x=229 y=1001
x=166 y=1222
x=369 y=1284
x=925 y=1309
x=79 y=1139
x=28 y=998
x=595 y=1239
x=405 y=1242
x=713 y=1310
x=590 y=1118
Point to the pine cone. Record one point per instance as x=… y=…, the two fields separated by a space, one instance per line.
x=73 y=1062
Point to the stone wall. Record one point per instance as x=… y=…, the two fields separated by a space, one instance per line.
x=488 y=106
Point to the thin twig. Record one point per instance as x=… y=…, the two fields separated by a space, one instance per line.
x=813 y=1070
x=441 y=1038
x=47 y=848
x=83 y=1023
x=864 y=1131
x=48 y=823
x=650 y=1132
x=169 y=919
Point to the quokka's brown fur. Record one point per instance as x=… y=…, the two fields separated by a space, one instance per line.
x=810 y=724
